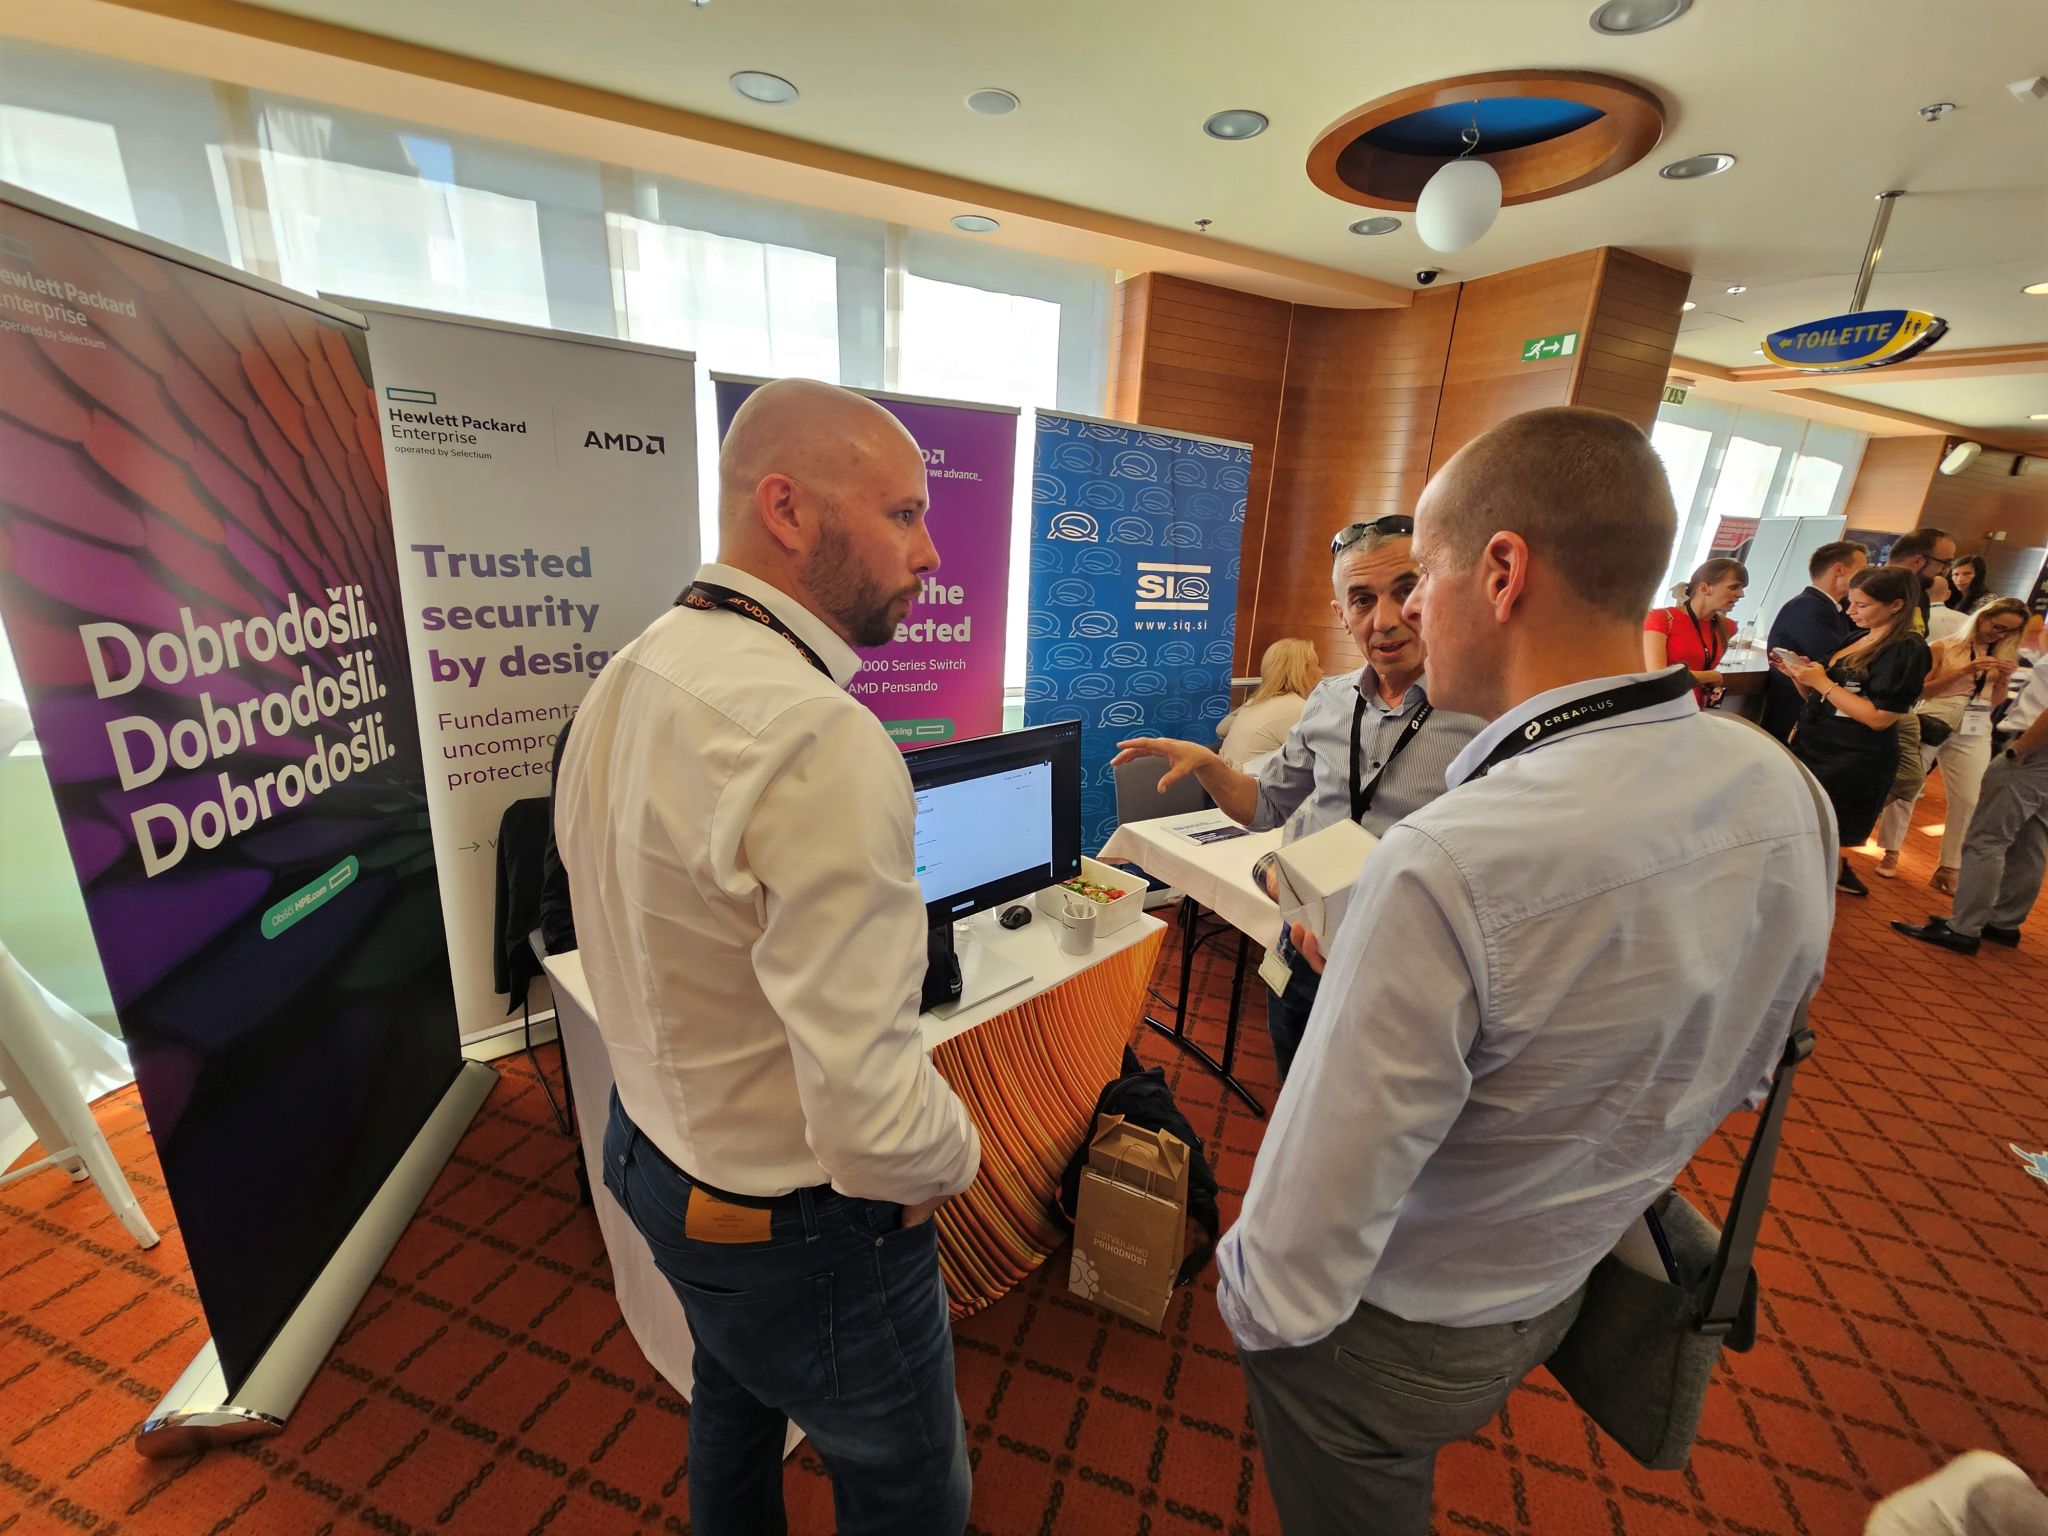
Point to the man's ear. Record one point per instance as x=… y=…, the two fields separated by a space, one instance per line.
x=777 y=505
x=1504 y=568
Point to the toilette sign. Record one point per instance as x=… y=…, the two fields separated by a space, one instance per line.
x=1870 y=338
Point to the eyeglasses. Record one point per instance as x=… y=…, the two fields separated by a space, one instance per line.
x=1396 y=525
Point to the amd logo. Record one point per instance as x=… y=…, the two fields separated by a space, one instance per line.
x=629 y=442
x=933 y=455
x=1180 y=588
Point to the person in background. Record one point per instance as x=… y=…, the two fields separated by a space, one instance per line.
x=1287 y=672
x=1965 y=685
x=1927 y=553
x=1695 y=633
x=738 y=834
x=1550 y=987
x=1942 y=620
x=1811 y=623
x=1369 y=746
x=2005 y=851
x=1852 y=701
x=1966 y=581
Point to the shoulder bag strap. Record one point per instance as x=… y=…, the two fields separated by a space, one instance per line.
x=1729 y=1280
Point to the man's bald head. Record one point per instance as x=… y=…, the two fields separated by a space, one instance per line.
x=831 y=440
x=1583 y=488
x=821 y=492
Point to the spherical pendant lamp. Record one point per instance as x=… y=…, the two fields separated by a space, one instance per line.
x=1458 y=205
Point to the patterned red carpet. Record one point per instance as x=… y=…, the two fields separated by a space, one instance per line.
x=487 y=1384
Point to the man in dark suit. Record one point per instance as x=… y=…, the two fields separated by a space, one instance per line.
x=1812 y=624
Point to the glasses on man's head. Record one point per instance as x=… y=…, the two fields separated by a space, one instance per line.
x=1395 y=525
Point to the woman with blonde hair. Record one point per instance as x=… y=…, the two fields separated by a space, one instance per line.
x=1288 y=670
x=1965 y=685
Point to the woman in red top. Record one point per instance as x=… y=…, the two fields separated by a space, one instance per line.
x=1696 y=632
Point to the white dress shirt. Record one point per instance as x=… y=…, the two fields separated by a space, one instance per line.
x=1551 y=985
x=737 y=832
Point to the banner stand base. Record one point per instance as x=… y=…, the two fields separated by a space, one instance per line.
x=199 y=1412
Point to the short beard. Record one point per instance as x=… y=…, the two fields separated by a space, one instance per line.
x=847 y=594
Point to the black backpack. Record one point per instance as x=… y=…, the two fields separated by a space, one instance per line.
x=1141 y=1096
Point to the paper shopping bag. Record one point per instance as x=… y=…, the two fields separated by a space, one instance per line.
x=1130 y=1227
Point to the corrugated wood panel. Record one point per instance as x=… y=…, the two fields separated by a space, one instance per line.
x=1360 y=407
x=1485 y=380
x=1892 y=483
x=1627 y=355
x=1988 y=498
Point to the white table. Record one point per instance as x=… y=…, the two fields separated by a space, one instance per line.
x=1212 y=875
x=653 y=1314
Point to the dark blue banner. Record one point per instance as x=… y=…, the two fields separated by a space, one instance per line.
x=1135 y=555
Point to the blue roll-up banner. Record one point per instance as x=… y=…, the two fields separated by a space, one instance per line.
x=1136 y=538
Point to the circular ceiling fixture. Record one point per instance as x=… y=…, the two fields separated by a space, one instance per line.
x=1688 y=306
x=993 y=101
x=2039 y=416
x=2038 y=290
x=1693 y=167
x=1935 y=111
x=1236 y=123
x=1626 y=18
x=1738 y=287
x=769 y=90
x=974 y=223
x=1543 y=132
x=1379 y=226
x=1458 y=206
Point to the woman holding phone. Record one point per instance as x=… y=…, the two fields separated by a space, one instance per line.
x=1966 y=683
x=1852 y=702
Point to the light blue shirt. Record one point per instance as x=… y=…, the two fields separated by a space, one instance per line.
x=1307 y=784
x=1551 y=986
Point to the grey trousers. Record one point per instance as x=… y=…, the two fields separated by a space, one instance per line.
x=1350 y=1425
x=2006 y=850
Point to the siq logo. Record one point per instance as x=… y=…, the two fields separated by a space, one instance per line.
x=1182 y=588
x=626 y=442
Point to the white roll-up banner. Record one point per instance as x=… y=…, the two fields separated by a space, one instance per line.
x=544 y=502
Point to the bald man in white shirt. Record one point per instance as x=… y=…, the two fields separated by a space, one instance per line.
x=737 y=831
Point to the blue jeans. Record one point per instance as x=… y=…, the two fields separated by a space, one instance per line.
x=1287 y=1012
x=837 y=1322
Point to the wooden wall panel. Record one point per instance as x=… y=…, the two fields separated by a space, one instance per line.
x=1984 y=499
x=1208 y=360
x=1355 y=425
x=1892 y=483
x=1485 y=380
x=1627 y=352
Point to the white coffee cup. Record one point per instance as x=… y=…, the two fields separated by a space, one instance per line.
x=1077 y=931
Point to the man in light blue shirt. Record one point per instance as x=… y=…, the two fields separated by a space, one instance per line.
x=1552 y=984
x=1369 y=746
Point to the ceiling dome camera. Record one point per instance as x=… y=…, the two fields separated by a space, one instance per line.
x=1428 y=275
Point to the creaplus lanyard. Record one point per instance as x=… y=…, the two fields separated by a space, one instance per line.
x=1362 y=795
x=1626 y=699
x=706 y=595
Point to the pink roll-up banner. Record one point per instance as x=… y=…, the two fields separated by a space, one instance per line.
x=942 y=676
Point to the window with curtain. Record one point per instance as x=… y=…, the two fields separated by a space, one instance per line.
x=71 y=159
x=743 y=306
x=969 y=344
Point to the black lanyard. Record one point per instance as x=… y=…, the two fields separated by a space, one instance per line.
x=702 y=594
x=1978 y=686
x=1709 y=637
x=1626 y=699
x=1361 y=797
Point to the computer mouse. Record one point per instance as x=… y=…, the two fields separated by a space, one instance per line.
x=1015 y=917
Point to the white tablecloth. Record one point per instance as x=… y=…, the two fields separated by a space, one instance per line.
x=1218 y=874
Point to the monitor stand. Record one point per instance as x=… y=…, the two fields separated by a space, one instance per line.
x=959 y=978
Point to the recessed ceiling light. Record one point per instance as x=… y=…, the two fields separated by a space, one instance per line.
x=1935 y=111
x=1759 y=351
x=993 y=101
x=1625 y=18
x=1688 y=305
x=2038 y=290
x=1738 y=287
x=1379 y=226
x=974 y=223
x=1693 y=167
x=769 y=90
x=1237 y=123
x=2039 y=416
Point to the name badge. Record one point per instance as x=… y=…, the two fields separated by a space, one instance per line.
x=1855 y=688
x=1275 y=972
x=1976 y=722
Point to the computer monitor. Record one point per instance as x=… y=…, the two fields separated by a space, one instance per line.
x=998 y=817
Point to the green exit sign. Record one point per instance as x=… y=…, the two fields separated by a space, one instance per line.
x=1674 y=394
x=1539 y=349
